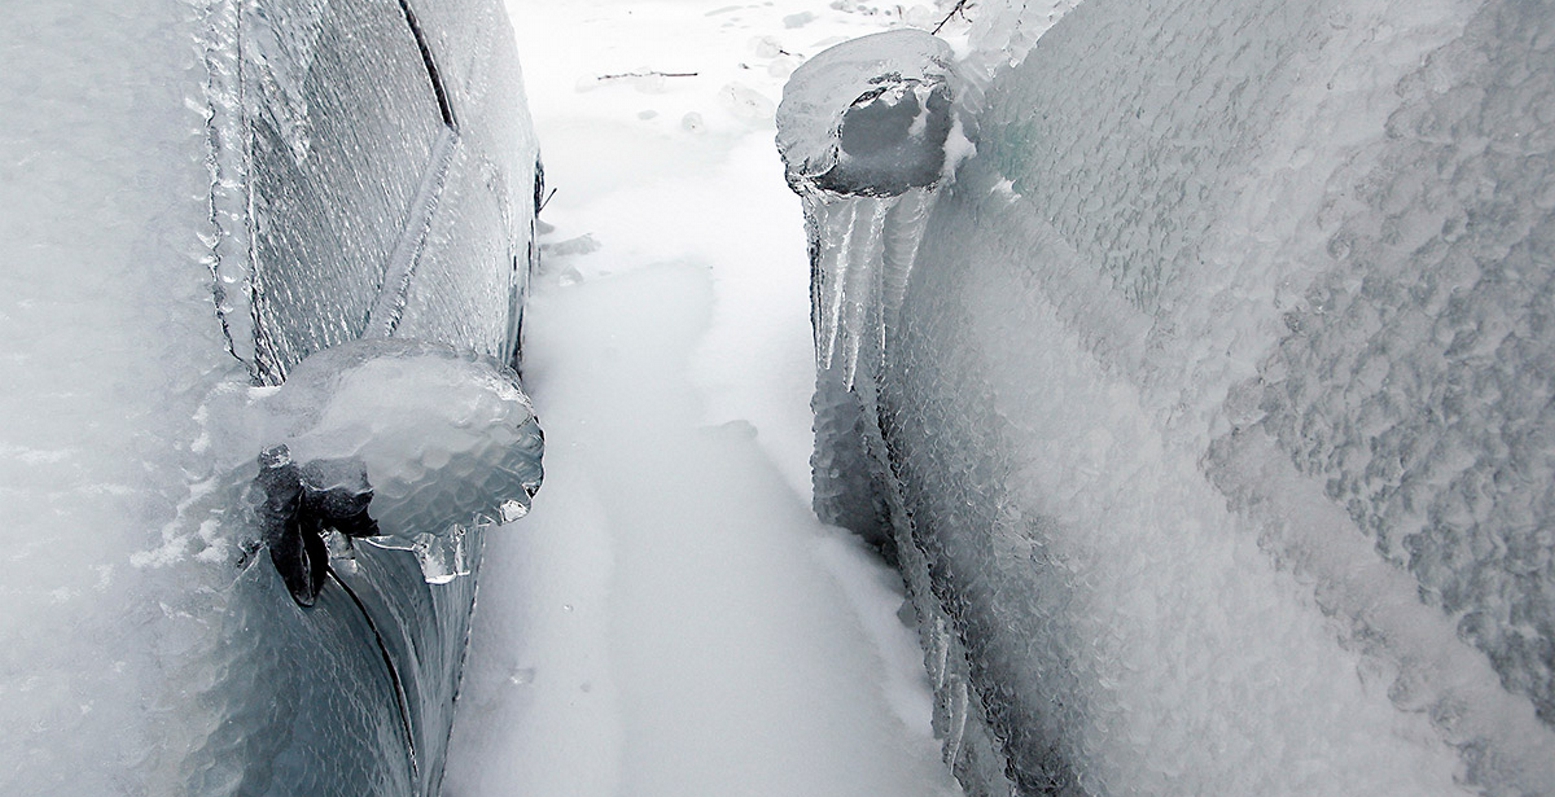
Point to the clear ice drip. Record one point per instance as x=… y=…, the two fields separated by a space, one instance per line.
x=869 y=132
x=863 y=130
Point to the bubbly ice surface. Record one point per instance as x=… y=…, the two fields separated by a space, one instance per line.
x=863 y=130
x=1211 y=418
x=145 y=650
x=448 y=439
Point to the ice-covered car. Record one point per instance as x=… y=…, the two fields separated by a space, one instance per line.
x=1206 y=406
x=264 y=268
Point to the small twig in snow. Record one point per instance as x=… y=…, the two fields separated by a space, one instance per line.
x=545 y=201
x=959 y=9
x=654 y=73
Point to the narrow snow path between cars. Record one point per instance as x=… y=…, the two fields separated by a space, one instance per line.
x=672 y=619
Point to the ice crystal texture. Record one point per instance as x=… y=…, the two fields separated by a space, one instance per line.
x=185 y=182
x=448 y=440
x=863 y=129
x=1213 y=419
x=355 y=145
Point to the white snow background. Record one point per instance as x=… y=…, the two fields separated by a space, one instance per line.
x=672 y=619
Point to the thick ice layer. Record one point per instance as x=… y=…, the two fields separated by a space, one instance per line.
x=355 y=692
x=863 y=130
x=448 y=440
x=1212 y=423
x=364 y=678
x=141 y=650
x=355 y=145
x=107 y=347
x=869 y=117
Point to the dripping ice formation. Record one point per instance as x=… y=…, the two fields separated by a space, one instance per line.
x=447 y=439
x=888 y=145
x=866 y=130
x=1210 y=429
x=202 y=200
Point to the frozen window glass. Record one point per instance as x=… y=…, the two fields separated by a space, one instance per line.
x=346 y=122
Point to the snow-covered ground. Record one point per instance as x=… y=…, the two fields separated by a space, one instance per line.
x=671 y=619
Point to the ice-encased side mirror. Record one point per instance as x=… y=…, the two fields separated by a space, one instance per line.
x=871 y=116
x=402 y=443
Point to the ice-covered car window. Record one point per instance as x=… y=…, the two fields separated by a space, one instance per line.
x=348 y=137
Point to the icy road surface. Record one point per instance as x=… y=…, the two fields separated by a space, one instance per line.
x=671 y=619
